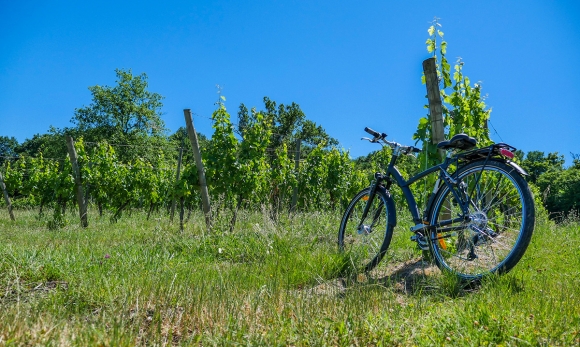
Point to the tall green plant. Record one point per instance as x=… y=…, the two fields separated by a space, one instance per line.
x=220 y=158
x=283 y=178
x=252 y=184
x=464 y=108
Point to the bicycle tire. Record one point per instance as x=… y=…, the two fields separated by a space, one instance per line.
x=500 y=228
x=365 y=248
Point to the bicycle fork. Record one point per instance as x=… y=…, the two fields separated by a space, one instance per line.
x=367 y=229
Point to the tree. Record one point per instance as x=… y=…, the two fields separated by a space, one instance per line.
x=560 y=189
x=536 y=164
x=575 y=159
x=51 y=145
x=180 y=138
x=126 y=109
x=8 y=147
x=124 y=114
x=289 y=123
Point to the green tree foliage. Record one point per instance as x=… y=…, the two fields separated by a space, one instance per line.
x=125 y=114
x=327 y=179
x=536 y=163
x=556 y=186
x=180 y=139
x=561 y=189
x=128 y=108
x=289 y=123
x=8 y=146
x=341 y=180
x=187 y=187
x=242 y=171
x=51 y=145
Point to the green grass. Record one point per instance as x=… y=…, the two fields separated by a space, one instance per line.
x=271 y=283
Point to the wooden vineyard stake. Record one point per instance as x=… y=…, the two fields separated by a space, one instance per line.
x=435 y=105
x=6 y=197
x=199 y=164
x=78 y=183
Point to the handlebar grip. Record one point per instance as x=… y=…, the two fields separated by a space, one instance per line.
x=372 y=132
x=416 y=150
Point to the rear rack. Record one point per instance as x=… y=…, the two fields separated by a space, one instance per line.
x=483 y=153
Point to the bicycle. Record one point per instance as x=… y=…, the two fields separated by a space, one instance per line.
x=478 y=219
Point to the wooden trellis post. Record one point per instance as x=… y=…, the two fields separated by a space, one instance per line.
x=6 y=197
x=177 y=176
x=435 y=105
x=78 y=183
x=199 y=164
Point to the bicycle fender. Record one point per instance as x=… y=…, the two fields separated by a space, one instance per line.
x=517 y=168
x=390 y=206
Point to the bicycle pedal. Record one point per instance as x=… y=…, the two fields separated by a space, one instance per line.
x=421 y=242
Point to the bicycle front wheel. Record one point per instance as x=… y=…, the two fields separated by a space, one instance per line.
x=365 y=239
x=499 y=228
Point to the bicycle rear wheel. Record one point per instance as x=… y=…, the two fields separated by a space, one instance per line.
x=500 y=226
x=364 y=241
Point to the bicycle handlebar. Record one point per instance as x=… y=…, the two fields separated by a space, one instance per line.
x=394 y=145
x=375 y=134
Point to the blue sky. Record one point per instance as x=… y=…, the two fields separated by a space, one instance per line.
x=347 y=64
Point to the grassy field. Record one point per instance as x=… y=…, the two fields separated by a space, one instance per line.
x=269 y=282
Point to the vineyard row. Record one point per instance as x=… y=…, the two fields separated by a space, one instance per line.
x=240 y=174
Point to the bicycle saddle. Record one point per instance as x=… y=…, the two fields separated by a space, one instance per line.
x=459 y=141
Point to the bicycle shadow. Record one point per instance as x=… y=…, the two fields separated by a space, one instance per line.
x=413 y=277
x=419 y=276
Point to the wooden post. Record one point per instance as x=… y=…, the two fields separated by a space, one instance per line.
x=199 y=164
x=6 y=197
x=78 y=183
x=173 y=203
x=296 y=168
x=181 y=212
x=435 y=115
x=435 y=105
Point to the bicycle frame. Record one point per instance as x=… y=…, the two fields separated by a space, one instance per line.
x=392 y=173
x=458 y=189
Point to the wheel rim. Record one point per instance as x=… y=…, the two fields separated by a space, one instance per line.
x=485 y=243
x=363 y=246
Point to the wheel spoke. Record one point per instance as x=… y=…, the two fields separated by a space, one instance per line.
x=363 y=239
x=496 y=221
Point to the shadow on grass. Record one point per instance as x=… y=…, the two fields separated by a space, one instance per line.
x=421 y=277
x=413 y=277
